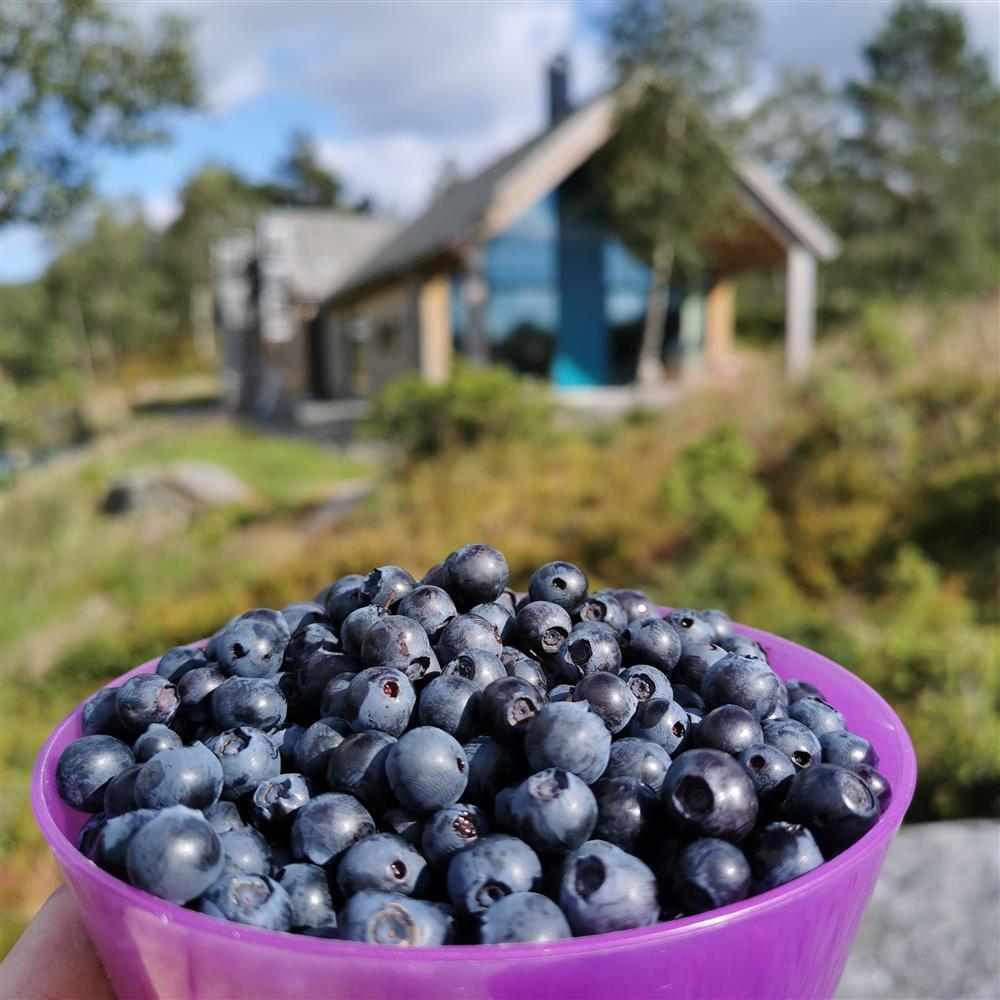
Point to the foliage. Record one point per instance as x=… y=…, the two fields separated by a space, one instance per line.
x=79 y=77
x=474 y=405
x=301 y=180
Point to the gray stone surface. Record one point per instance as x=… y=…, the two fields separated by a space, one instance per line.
x=933 y=927
x=181 y=486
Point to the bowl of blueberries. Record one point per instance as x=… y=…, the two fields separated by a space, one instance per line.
x=438 y=787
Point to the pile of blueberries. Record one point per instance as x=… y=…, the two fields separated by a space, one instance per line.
x=418 y=763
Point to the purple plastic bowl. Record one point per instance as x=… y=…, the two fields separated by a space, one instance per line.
x=790 y=942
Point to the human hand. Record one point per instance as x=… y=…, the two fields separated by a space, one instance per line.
x=54 y=957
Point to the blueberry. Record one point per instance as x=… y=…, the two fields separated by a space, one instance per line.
x=643 y=760
x=626 y=811
x=467 y=632
x=399 y=643
x=744 y=681
x=309 y=894
x=404 y=824
x=247 y=757
x=195 y=689
x=248 y=701
x=729 y=728
x=86 y=839
x=427 y=769
x=651 y=641
x=491 y=767
x=317 y=669
x=528 y=670
x=380 y=698
x=507 y=706
x=119 y=795
x=389 y=918
x=877 y=782
x=780 y=852
x=312 y=752
x=451 y=830
x=794 y=740
x=187 y=776
x=246 y=851
x=542 y=628
x=176 y=662
x=224 y=816
x=709 y=873
x=590 y=647
x=721 y=623
x=302 y=614
x=604 y=607
x=452 y=704
x=647 y=683
x=85 y=768
x=568 y=735
x=523 y=917
x=692 y=627
x=476 y=665
x=253 y=646
x=286 y=740
x=771 y=772
x=661 y=721
x=340 y=603
x=694 y=663
x=816 y=715
x=609 y=698
x=635 y=604
x=212 y=647
x=500 y=617
x=327 y=825
x=357 y=767
x=688 y=699
x=503 y=816
x=356 y=626
x=834 y=802
x=706 y=793
x=111 y=847
x=385 y=862
x=158 y=737
x=802 y=689
x=562 y=692
x=848 y=750
x=554 y=811
x=334 y=697
x=277 y=799
x=176 y=855
x=493 y=867
x=475 y=574
x=145 y=699
x=604 y=889
x=256 y=900
x=100 y=717
x=560 y=583
x=385 y=585
x=431 y=607
x=743 y=645
x=275 y=619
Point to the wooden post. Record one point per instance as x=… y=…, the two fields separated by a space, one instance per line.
x=720 y=322
x=800 y=310
x=435 y=329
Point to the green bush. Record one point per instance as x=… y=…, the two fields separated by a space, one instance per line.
x=473 y=406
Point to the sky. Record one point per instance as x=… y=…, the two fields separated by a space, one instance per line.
x=393 y=90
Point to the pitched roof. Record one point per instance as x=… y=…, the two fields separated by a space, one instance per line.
x=473 y=210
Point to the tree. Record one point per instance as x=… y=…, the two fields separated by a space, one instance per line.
x=78 y=77
x=300 y=178
x=924 y=160
x=668 y=181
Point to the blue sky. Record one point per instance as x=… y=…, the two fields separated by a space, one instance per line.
x=391 y=90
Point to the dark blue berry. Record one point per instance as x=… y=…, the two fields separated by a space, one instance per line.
x=246 y=851
x=187 y=776
x=542 y=628
x=86 y=767
x=720 y=622
x=452 y=704
x=309 y=894
x=253 y=646
x=276 y=800
x=847 y=749
x=651 y=641
x=834 y=802
x=302 y=614
x=692 y=627
x=248 y=701
x=145 y=699
x=247 y=757
x=256 y=900
x=176 y=662
x=158 y=737
x=729 y=728
x=642 y=760
x=744 y=681
x=554 y=811
x=110 y=850
x=706 y=793
x=771 y=772
x=475 y=574
x=224 y=816
x=427 y=769
x=635 y=604
x=431 y=607
x=381 y=699
x=391 y=919
x=609 y=697
x=709 y=873
x=695 y=662
x=626 y=813
x=646 y=682
x=467 y=632
x=327 y=825
x=816 y=715
x=476 y=665
x=507 y=706
x=316 y=671
x=491 y=767
x=119 y=795
x=385 y=862
x=794 y=740
x=560 y=583
x=493 y=867
x=606 y=608
x=661 y=721
x=590 y=647
x=451 y=830
x=386 y=585
x=357 y=767
x=780 y=852
x=523 y=917
x=195 y=689
x=312 y=752
x=334 y=697
x=568 y=735
x=100 y=717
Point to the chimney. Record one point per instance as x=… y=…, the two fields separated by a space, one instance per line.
x=559 y=106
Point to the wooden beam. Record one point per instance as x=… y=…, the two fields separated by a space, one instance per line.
x=435 y=329
x=720 y=322
x=800 y=310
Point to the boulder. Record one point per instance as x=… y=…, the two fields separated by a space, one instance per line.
x=184 y=487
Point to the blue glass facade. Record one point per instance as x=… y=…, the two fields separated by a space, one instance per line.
x=566 y=299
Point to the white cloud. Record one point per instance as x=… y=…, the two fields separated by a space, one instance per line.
x=159 y=210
